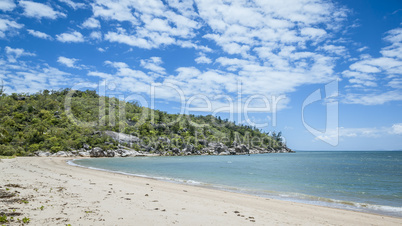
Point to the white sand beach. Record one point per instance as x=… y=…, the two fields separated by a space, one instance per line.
x=55 y=193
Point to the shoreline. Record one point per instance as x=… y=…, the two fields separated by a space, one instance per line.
x=77 y=195
x=295 y=197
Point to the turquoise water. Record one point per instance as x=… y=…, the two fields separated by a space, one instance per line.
x=363 y=181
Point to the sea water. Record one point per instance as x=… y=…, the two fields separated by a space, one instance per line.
x=365 y=181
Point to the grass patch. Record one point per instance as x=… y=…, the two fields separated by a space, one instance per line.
x=7 y=157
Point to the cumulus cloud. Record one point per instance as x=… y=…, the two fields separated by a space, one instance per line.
x=39 y=10
x=97 y=35
x=352 y=133
x=69 y=62
x=373 y=98
x=73 y=5
x=8 y=26
x=153 y=64
x=14 y=54
x=91 y=23
x=74 y=36
x=397 y=129
x=379 y=72
x=160 y=26
x=7 y=5
x=269 y=47
x=202 y=59
x=24 y=76
x=39 y=34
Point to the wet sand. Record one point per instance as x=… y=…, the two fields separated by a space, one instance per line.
x=48 y=191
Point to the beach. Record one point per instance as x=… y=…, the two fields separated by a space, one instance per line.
x=51 y=192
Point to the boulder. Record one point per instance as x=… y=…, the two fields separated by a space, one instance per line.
x=42 y=153
x=122 y=137
x=86 y=146
x=188 y=148
x=97 y=152
x=176 y=151
x=61 y=154
x=84 y=154
x=221 y=148
x=244 y=148
x=109 y=153
x=232 y=151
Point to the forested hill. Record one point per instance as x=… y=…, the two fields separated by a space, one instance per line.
x=51 y=121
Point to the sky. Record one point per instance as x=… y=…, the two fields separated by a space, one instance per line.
x=327 y=74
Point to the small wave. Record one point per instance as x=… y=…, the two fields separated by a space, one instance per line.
x=287 y=196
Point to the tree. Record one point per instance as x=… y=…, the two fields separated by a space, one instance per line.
x=2 y=88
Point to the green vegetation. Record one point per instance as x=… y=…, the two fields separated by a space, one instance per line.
x=3 y=218
x=25 y=220
x=41 y=121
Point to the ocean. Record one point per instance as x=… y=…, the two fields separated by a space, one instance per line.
x=367 y=181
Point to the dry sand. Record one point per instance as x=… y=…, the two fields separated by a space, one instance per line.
x=79 y=196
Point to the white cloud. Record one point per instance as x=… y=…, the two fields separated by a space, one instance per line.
x=353 y=133
x=101 y=49
x=123 y=70
x=69 y=62
x=74 y=36
x=39 y=34
x=373 y=98
x=397 y=129
x=39 y=10
x=160 y=26
x=91 y=23
x=202 y=59
x=7 y=5
x=380 y=73
x=153 y=64
x=74 y=5
x=96 y=35
x=281 y=44
x=14 y=54
x=8 y=26
x=27 y=77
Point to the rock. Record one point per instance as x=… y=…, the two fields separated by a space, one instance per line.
x=188 y=148
x=61 y=154
x=110 y=153
x=97 y=152
x=244 y=148
x=224 y=153
x=42 y=153
x=122 y=137
x=221 y=148
x=84 y=154
x=86 y=146
x=232 y=151
x=176 y=150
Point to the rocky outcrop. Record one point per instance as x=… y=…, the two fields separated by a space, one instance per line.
x=162 y=146
x=123 y=138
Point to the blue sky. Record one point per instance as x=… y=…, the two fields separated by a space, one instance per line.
x=198 y=56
